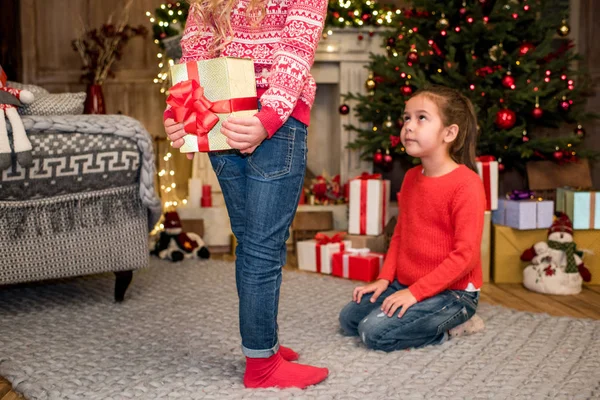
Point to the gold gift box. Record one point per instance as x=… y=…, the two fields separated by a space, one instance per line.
x=509 y=244
x=224 y=78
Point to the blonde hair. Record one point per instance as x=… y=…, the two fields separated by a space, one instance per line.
x=457 y=109
x=216 y=14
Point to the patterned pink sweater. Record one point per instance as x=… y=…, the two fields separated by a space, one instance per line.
x=282 y=47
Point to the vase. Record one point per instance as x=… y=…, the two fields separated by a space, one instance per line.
x=94 y=101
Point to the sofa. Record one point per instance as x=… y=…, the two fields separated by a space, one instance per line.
x=86 y=204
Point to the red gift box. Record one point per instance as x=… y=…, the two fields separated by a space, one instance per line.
x=357 y=264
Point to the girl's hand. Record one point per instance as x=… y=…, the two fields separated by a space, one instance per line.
x=402 y=298
x=244 y=134
x=176 y=133
x=376 y=288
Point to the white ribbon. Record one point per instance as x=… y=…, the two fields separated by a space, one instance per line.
x=346 y=259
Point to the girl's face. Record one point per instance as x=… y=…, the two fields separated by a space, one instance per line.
x=423 y=133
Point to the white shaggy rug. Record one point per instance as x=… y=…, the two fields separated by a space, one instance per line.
x=176 y=336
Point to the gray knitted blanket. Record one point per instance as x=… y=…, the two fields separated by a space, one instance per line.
x=118 y=125
x=176 y=337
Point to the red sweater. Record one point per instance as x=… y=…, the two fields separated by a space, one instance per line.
x=437 y=242
x=282 y=47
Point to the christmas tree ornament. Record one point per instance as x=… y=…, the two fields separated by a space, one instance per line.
x=378 y=157
x=579 y=131
x=387 y=159
x=388 y=123
x=508 y=81
x=506 y=119
x=344 y=109
x=496 y=52
x=412 y=57
x=501 y=167
x=537 y=112
x=391 y=42
x=394 y=140
x=558 y=155
x=406 y=90
x=526 y=48
x=443 y=23
x=370 y=83
x=564 y=29
x=564 y=104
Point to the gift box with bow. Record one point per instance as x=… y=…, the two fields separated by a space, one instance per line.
x=522 y=210
x=487 y=167
x=315 y=254
x=357 y=264
x=369 y=204
x=206 y=93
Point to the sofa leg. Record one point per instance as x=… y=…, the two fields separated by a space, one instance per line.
x=122 y=283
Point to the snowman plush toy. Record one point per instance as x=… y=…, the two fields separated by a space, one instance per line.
x=175 y=245
x=556 y=265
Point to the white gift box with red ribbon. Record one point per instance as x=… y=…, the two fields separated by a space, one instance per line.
x=368 y=205
x=315 y=255
x=487 y=167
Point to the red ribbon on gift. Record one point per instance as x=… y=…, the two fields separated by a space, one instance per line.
x=364 y=177
x=485 y=172
x=197 y=113
x=323 y=239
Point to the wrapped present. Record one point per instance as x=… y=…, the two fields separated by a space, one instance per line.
x=524 y=214
x=357 y=264
x=206 y=93
x=369 y=203
x=487 y=167
x=486 y=246
x=509 y=244
x=583 y=207
x=375 y=243
x=315 y=254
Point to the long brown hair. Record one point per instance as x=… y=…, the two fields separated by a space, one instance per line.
x=216 y=14
x=455 y=108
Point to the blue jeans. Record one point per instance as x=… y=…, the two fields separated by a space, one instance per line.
x=426 y=322
x=262 y=191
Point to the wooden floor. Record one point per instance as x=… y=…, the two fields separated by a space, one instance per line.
x=584 y=305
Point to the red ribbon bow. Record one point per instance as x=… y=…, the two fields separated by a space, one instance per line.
x=197 y=113
x=322 y=238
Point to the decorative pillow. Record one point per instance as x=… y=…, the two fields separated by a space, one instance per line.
x=36 y=90
x=46 y=103
x=55 y=104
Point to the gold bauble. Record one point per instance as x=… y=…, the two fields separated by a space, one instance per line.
x=388 y=124
x=564 y=29
x=443 y=23
x=370 y=84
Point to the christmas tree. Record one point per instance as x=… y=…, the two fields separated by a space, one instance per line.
x=512 y=58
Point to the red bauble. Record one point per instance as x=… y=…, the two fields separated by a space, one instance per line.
x=558 y=155
x=564 y=105
x=391 y=41
x=387 y=159
x=378 y=157
x=526 y=48
x=537 y=113
x=506 y=119
x=412 y=58
x=406 y=90
x=462 y=11
x=360 y=37
x=508 y=82
x=344 y=109
x=579 y=131
x=501 y=167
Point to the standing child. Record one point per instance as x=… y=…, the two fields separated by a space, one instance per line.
x=429 y=284
x=262 y=177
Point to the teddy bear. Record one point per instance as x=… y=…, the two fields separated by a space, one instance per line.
x=556 y=265
x=175 y=245
x=10 y=99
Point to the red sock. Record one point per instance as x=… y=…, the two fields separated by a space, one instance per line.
x=277 y=372
x=288 y=354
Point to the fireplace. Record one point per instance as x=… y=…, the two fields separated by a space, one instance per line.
x=339 y=68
